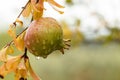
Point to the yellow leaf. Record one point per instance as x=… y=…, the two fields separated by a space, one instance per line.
x=4 y=52
x=19 y=42
x=37 y=9
x=12 y=31
x=27 y=10
x=3 y=55
x=61 y=12
x=37 y=15
x=21 y=71
x=10 y=65
x=54 y=3
x=32 y=73
x=39 y=6
x=19 y=22
x=10 y=50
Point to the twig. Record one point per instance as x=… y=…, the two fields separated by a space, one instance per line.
x=15 y=25
x=21 y=12
x=23 y=9
x=22 y=32
x=25 y=54
x=8 y=44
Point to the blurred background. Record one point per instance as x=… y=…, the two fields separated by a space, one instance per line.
x=94 y=28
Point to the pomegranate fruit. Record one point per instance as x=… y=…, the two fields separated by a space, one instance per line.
x=44 y=36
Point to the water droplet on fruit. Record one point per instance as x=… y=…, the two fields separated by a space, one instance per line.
x=45 y=56
x=37 y=57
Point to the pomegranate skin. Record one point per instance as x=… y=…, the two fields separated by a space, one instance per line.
x=44 y=36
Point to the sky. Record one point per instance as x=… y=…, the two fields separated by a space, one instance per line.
x=84 y=9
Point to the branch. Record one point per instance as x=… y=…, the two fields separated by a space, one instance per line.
x=23 y=9
x=25 y=54
x=8 y=44
x=21 y=12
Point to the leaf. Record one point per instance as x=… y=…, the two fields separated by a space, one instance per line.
x=55 y=3
x=10 y=65
x=19 y=22
x=12 y=31
x=19 y=41
x=37 y=9
x=4 y=52
x=32 y=73
x=61 y=12
x=10 y=50
x=3 y=55
x=21 y=71
x=27 y=10
x=38 y=6
x=37 y=15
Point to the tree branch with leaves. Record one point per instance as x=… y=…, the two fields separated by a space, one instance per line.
x=43 y=36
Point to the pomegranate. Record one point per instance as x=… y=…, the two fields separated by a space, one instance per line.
x=44 y=36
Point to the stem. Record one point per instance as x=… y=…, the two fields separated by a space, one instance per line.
x=15 y=24
x=22 y=32
x=21 y=12
x=8 y=44
x=25 y=54
x=23 y=9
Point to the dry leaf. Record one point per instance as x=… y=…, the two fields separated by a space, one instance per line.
x=12 y=31
x=37 y=6
x=54 y=3
x=21 y=71
x=32 y=73
x=37 y=15
x=61 y=12
x=4 y=52
x=19 y=22
x=19 y=42
x=3 y=55
x=37 y=9
x=27 y=10
x=10 y=65
x=10 y=50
